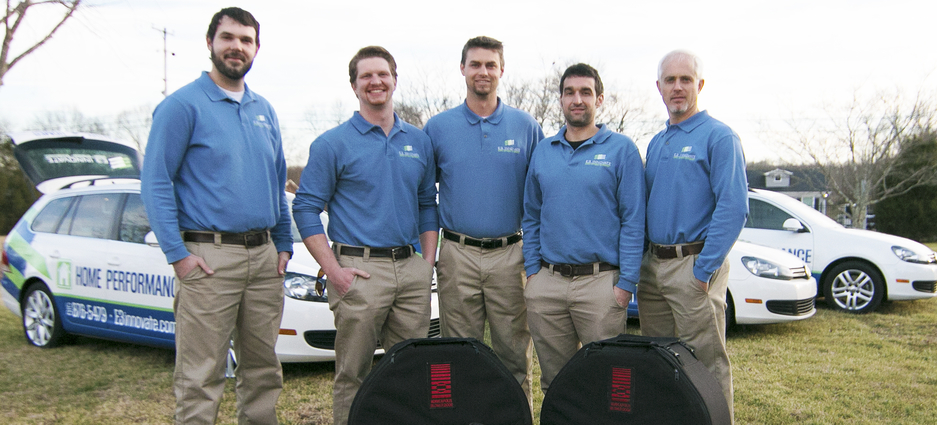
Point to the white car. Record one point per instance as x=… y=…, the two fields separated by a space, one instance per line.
x=83 y=261
x=856 y=269
x=766 y=285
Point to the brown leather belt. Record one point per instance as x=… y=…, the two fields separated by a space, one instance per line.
x=246 y=239
x=395 y=253
x=491 y=243
x=667 y=252
x=573 y=270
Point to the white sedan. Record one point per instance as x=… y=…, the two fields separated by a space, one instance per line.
x=856 y=269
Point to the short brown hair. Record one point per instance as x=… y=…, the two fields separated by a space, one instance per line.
x=371 y=52
x=242 y=17
x=583 y=70
x=483 y=42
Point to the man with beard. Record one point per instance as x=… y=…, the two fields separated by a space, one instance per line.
x=697 y=205
x=213 y=186
x=583 y=228
x=377 y=175
x=482 y=151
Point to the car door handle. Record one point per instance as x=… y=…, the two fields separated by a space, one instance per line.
x=55 y=254
x=113 y=261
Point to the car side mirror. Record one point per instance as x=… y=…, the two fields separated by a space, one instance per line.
x=793 y=225
x=150 y=239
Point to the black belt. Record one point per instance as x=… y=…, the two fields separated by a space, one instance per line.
x=667 y=252
x=573 y=270
x=482 y=243
x=247 y=239
x=395 y=253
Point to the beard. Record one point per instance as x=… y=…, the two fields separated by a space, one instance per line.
x=584 y=121
x=228 y=71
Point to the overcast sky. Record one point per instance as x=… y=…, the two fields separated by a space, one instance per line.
x=763 y=61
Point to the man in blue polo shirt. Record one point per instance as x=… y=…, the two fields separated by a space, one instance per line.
x=214 y=149
x=583 y=228
x=377 y=175
x=696 y=207
x=482 y=150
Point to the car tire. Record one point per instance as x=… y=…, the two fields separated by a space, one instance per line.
x=42 y=324
x=730 y=311
x=854 y=287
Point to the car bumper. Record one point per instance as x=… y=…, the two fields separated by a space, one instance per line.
x=307 y=331
x=910 y=281
x=778 y=300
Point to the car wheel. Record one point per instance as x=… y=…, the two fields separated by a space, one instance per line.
x=730 y=311
x=854 y=287
x=41 y=322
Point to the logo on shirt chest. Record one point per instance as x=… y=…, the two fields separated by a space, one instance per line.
x=599 y=161
x=261 y=121
x=685 y=153
x=509 y=147
x=408 y=152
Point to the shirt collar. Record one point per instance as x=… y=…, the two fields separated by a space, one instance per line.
x=689 y=124
x=473 y=118
x=216 y=94
x=363 y=126
x=598 y=138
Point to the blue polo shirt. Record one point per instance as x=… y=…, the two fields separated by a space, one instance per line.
x=697 y=189
x=586 y=205
x=481 y=164
x=214 y=164
x=380 y=190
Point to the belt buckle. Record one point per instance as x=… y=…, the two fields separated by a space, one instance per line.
x=252 y=239
x=397 y=251
x=490 y=243
x=566 y=270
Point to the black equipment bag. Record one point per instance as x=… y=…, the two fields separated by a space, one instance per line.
x=632 y=379
x=440 y=381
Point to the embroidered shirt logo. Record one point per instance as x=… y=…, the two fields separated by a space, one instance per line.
x=685 y=153
x=599 y=160
x=509 y=147
x=408 y=152
x=261 y=121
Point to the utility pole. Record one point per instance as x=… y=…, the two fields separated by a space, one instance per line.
x=165 y=62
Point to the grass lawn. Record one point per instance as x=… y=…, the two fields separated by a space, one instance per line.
x=835 y=368
x=831 y=369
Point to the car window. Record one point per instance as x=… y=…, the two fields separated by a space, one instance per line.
x=133 y=223
x=95 y=214
x=762 y=215
x=49 y=218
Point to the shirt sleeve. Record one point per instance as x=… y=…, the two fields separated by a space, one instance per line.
x=281 y=233
x=631 y=209
x=730 y=188
x=429 y=221
x=316 y=187
x=165 y=149
x=533 y=201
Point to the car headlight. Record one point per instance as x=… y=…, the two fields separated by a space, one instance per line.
x=305 y=287
x=910 y=256
x=768 y=269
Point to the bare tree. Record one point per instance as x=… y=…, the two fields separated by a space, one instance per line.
x=858 y=149
x=424 y=98
x=69 y=120
x=14 y=17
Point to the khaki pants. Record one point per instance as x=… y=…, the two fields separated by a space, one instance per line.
x=242 y=300
x=393 y=305
x=566 y=312
x=671 y=303
x=478 y=284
